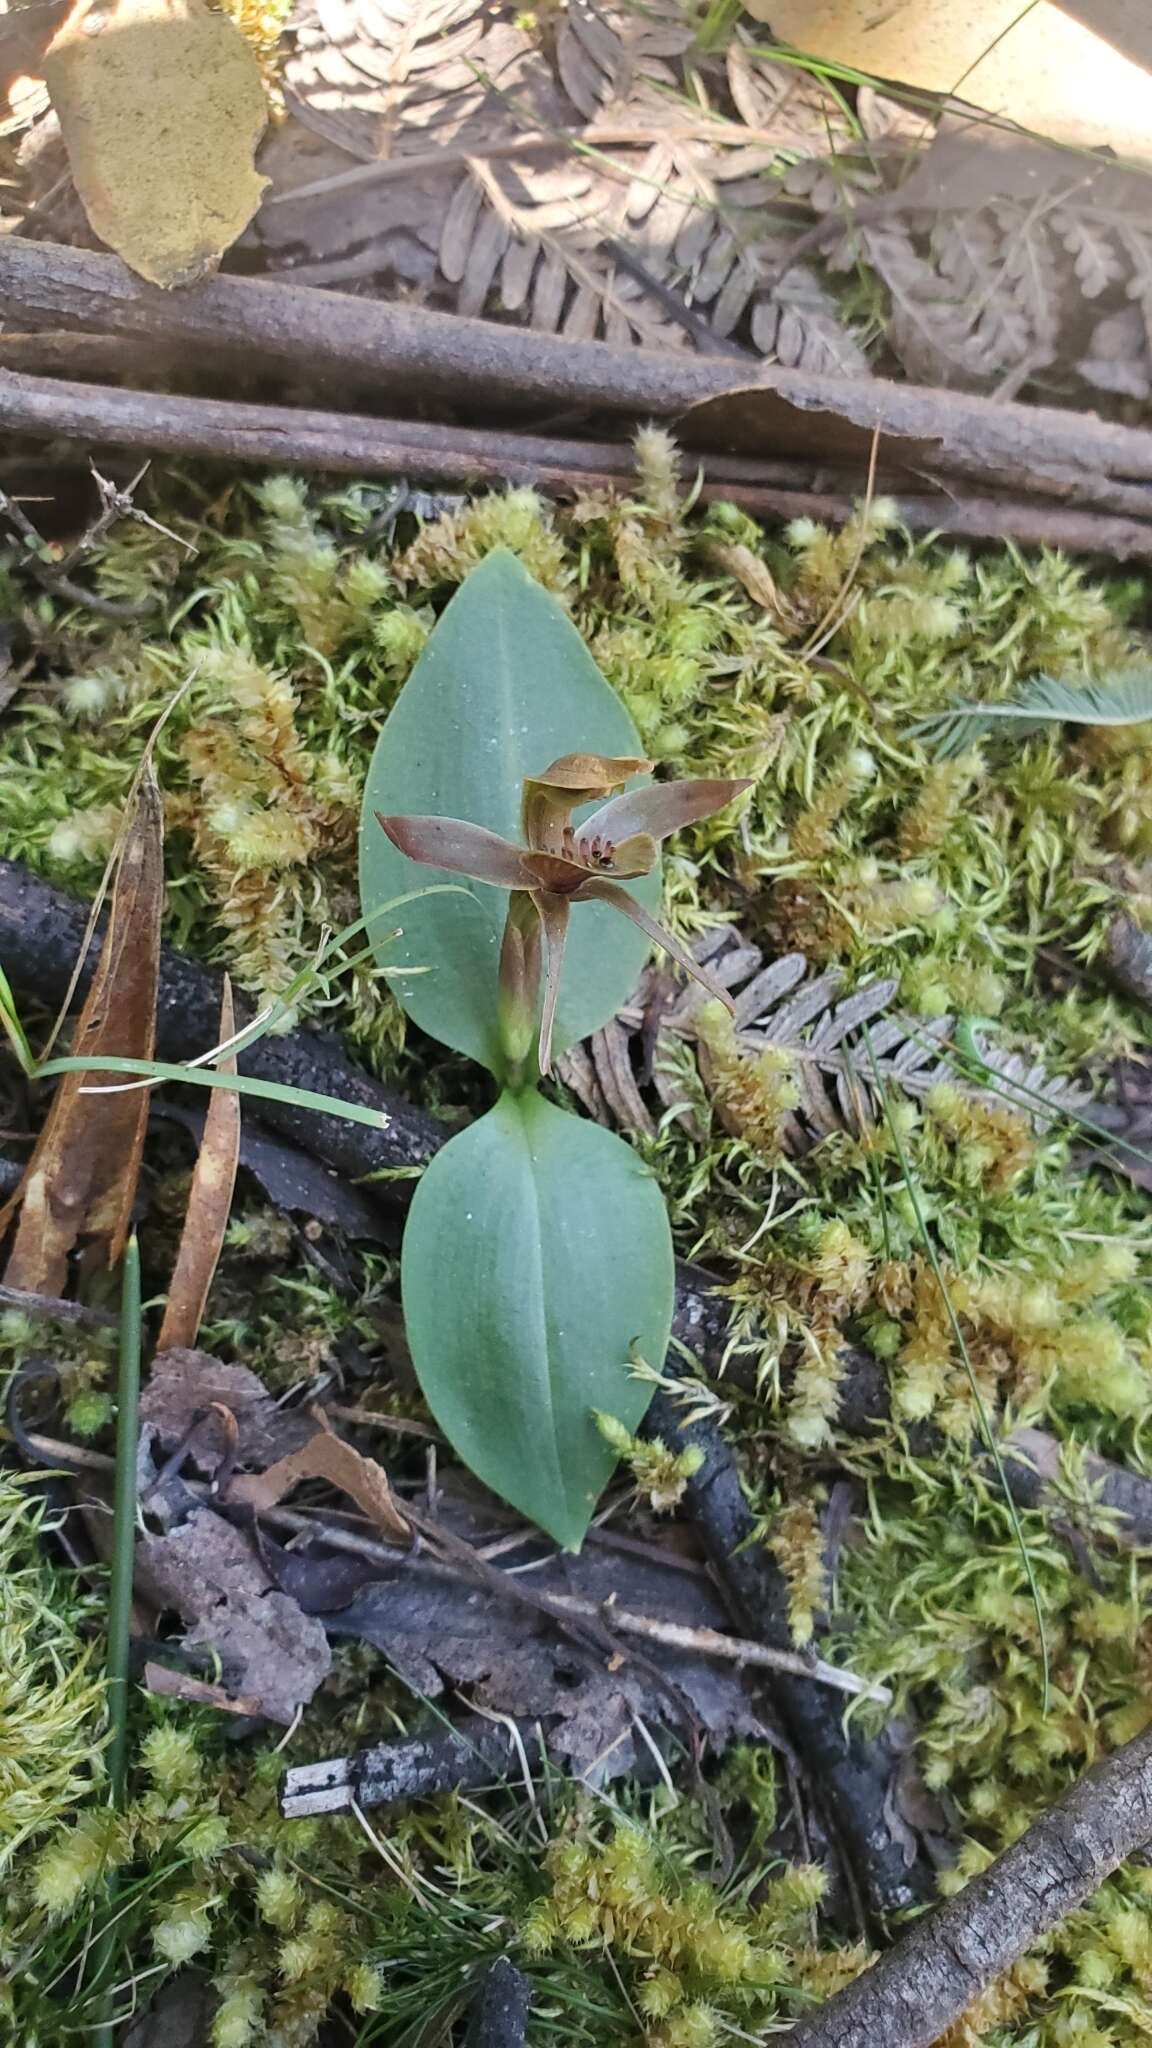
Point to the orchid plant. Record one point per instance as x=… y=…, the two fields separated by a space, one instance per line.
x=537 y=1258
x=561 y=864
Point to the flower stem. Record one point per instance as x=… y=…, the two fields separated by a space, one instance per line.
x=520 y=963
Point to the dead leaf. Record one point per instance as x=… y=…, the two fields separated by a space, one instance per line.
x=161 y=106
x=1035 y=65
x=81 y=1178
x=327 y=1456
x=209 y=1204
x=442 y=1635
x=733 y=558
x=186 y=1390
x=210 y=1574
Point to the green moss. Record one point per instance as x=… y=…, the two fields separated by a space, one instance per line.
x=279 y=649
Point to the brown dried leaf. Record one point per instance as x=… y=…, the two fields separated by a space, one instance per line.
x=327 y=1456
x=184 y=1400
x=732 y=558
x=209 y=1573
x=81 y=1178
x=209 y=1204
x=161 y=106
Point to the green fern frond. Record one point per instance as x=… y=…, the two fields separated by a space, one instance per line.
x=1124 y=700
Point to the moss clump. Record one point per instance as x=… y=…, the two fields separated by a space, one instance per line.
x=279 y=650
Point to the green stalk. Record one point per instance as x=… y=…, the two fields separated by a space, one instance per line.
x=961 y=1344
x=120 y=1586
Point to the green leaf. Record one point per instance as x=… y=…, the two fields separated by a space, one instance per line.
x=1124 y=700
x=504 y=686
x=537 y=1254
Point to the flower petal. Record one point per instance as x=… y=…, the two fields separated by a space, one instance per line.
x=461 y=848
x=660 y=809
x=554 y=918
x=550 y=798
x=587 y=775
x=551 y=872
x=597 y=891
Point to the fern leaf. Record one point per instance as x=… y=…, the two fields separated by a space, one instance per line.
x=1123 y=700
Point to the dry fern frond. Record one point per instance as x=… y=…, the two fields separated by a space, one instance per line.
x=383 y=76
x=605 y=54
x=819 y=1047
x=671 y=181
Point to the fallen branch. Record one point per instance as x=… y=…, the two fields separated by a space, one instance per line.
x=852 y=1773
x=934 y=1972
x=357 y=445
x=401 y=349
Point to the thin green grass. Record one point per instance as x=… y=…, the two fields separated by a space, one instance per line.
x=120 y=1585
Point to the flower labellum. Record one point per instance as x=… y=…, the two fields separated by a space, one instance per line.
x=561 y=864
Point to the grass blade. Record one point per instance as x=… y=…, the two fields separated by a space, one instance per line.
x=123 y=1560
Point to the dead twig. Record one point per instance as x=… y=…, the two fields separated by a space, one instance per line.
x=393 y=348
x=595 y=1625
x=475 y=1751
x=357 y=445
x=56 y=579
x=928 y=1980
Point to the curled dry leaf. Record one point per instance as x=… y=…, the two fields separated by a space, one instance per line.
x=81 y=1178
x=327 y=1456
x=209 y=1203
x=161 y=106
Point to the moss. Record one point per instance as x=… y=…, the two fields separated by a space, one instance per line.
x=280 y=648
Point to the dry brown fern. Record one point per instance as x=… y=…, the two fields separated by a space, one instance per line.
x=660 y=1055
x=661 y=221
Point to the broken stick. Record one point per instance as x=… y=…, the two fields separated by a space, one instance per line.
x=354 y=445
x=394 y=348
x=934 y=1972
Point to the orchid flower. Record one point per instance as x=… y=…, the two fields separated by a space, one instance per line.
x=561 y=864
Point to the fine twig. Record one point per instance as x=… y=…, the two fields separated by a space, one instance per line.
x=465 y=1565
x=56 y=578
x=788 y=487
x=56 y=1309
x=933 y=1973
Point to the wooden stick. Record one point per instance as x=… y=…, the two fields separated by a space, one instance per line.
x=353 y=445
x=398 y=349
x=914 y=1993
